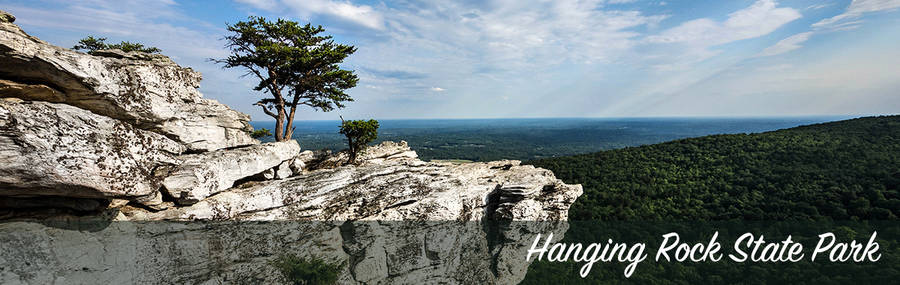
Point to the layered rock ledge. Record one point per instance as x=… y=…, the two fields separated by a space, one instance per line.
x=114 y=169
x=147 y=90
x=386 y=186
x=49 y=149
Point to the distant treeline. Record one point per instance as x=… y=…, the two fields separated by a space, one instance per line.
x=843 y=170
x=529 y=139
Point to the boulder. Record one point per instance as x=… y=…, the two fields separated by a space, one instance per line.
x=149 y=91
x=385 y=152
x=201 y=175
x=309 y=160
x=283 y=170
x=52 y=149
x=6 y=17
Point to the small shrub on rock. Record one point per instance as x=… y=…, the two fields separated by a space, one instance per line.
x=359 y=134
x=307 y=270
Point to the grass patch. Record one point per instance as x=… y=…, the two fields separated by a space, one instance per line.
x=307 y=270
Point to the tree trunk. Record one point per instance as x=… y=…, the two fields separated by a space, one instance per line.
x=352 y=158
x=289 y=128
x=279 y=126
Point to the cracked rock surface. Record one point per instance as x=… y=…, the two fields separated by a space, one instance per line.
x=148 y=90
x=51 y=149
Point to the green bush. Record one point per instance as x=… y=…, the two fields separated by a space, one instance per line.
x=307 y=270
x=91 y=44
x=359 y=133
x=261 y=133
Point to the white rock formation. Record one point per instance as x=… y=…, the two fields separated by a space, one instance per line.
x=95 y=188
x=147 y=90
x=55 y=149
x=200 y=175
x=388 y=220
x=392 y=189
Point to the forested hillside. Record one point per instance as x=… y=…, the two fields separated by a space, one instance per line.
x=843 y=170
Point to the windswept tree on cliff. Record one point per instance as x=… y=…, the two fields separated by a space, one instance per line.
x=295 y=65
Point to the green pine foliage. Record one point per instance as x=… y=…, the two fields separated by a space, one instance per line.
x=260 y=133
x=295 y=65
x=846 y=170
x=91 y=44
x=307 y=270
x=359 y=134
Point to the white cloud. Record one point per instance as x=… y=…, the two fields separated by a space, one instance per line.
x=620 y=1
x=363 y=15
x=761 y=18
x=856 y=9
x=590 y=57
x=261 y=4
x=819 y=6
x=776 y=67
x=786 y=45
x=127 y=20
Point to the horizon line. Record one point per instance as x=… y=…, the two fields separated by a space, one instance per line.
x=847 y=116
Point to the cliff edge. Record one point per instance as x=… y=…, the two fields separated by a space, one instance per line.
x=120 y=154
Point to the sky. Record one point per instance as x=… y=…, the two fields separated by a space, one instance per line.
x=525 y=59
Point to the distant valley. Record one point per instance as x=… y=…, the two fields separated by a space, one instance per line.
x=528 y=139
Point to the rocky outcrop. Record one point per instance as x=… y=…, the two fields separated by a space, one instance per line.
x=388 y=219
x=149 y=91
x=51 y=149
x=198 y=176
x=384 y=151
x=402 y=189
x=113 y=169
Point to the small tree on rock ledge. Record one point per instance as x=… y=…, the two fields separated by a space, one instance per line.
x=260 y=133
x=91 y=44
x=294 y=64
x=359 y=134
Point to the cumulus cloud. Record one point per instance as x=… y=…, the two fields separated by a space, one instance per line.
x=856 y=9
x=126 y=20
x=761 y=18
x=482 y=47
x=582 y=54
x=787 y=44
x=362 y=15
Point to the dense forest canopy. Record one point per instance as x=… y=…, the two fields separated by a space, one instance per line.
x=841 y=170
x=843 y=175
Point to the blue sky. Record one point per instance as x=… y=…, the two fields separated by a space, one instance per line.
x=501 y=59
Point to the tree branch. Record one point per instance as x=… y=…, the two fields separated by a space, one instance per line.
x=266 y=110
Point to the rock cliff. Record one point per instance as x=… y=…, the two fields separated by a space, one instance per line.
x=147 y=90
x=114 y=169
